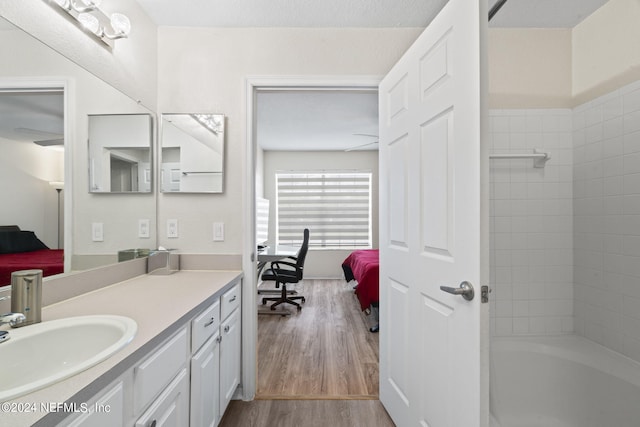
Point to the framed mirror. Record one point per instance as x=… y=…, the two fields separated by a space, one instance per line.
x=192 y=153
x=120 y=155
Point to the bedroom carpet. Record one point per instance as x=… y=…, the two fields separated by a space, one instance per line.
x=323 y=352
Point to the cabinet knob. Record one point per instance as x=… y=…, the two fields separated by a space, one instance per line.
x=210 y=322
x=233 y=298
x=152 y=423
x=226 y=328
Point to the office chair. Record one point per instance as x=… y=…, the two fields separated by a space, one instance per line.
x=283 y=272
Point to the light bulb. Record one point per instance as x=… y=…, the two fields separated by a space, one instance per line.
x=63 y=3
x=92 y=3
x=120 y=24
x=90 y=22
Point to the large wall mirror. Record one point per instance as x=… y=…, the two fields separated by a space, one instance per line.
x=48 y=188
x=192 y=154
x=120 y=153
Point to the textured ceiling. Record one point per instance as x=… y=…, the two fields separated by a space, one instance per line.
x=292 y=13
x=317 y=120
x=354 y=13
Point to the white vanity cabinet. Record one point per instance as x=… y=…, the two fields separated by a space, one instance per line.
x=105 y=411
x=187 y=379
x=205 y=384
x=215 y=366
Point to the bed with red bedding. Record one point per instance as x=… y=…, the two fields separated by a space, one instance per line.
x=22 y=250
x=50 y=261
x=364 y=267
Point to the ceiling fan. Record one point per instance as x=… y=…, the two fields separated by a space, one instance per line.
x=357 y=147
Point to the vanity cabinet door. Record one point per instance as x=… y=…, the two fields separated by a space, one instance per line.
x=230 y=347
x=171 y=408
x=106 y=411
x=205 y=384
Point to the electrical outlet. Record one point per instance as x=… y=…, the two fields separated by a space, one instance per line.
x=172 y=228
x=97 y=232
x=143 y=228
x=218 y=231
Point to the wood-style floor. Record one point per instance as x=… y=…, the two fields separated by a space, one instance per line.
x=317 y=367
x=324 y=351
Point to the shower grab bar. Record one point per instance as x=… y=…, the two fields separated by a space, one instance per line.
x=539 y=158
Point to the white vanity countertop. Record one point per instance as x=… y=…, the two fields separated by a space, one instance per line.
x=159 y=304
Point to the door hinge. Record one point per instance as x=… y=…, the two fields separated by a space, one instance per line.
x=484 y=294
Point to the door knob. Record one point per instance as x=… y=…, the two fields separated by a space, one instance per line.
x=465 y=289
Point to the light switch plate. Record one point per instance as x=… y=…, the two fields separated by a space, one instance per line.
x=218 y=231
x=97 y=232
x=172 y=228
x=143 y=228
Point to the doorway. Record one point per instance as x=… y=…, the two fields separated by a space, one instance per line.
x=254 y=87
x=34 y=163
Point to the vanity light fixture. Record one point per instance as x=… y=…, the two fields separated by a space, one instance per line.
x=89 y=15
x=209 y=121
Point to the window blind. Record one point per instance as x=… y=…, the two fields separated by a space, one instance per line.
x=335 y=207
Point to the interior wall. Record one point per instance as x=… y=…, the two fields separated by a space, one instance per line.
x=605 y=50
x=607 y=220
x=25 y=172
x=529 y=68
x=531 y=223
x=205 y=70
x=321 y=263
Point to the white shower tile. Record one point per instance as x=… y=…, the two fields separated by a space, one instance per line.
x=631 y=246
x=520 y=308
x=631 y=307
x=500 y=124
x=578 y=120
x=631 y=101
x=504 y=326
x=521 y=325
x=631 y=184
x=631 y=163
x=517 y=124
x=553 y=325
x=593 y=115
x=631 y=142
x=537 y=325
x=557 y=123
x=612 y=186
x=612 y=166
x=593 y=133
x=612 y=128
x=568 y=324
x=631 y=122
x=612 y=108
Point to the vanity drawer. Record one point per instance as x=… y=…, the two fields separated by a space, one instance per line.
x=230 y=301
x=204 y=326
x=153 y=375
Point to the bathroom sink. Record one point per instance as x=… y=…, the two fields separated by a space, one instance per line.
x=42 y=354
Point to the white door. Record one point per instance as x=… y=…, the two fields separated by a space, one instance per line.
x=434 y=345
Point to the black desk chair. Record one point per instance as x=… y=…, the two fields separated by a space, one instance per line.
x=283 y=272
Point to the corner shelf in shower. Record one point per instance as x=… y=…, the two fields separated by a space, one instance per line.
x=539 y=158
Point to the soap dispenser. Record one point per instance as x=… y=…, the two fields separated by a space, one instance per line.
x=26 y=295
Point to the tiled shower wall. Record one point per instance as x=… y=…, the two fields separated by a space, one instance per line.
x=607 y=220
x=531 y=223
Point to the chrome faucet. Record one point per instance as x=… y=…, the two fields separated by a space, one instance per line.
x=13 y=319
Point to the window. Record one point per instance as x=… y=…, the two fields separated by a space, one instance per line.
x=335 y=207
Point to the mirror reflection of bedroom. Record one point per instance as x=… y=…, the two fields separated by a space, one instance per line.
x=31 y=181
x=316 y=169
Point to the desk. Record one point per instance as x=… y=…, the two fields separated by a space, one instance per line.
x=274 y=253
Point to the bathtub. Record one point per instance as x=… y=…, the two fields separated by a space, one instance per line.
x=564 y=381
